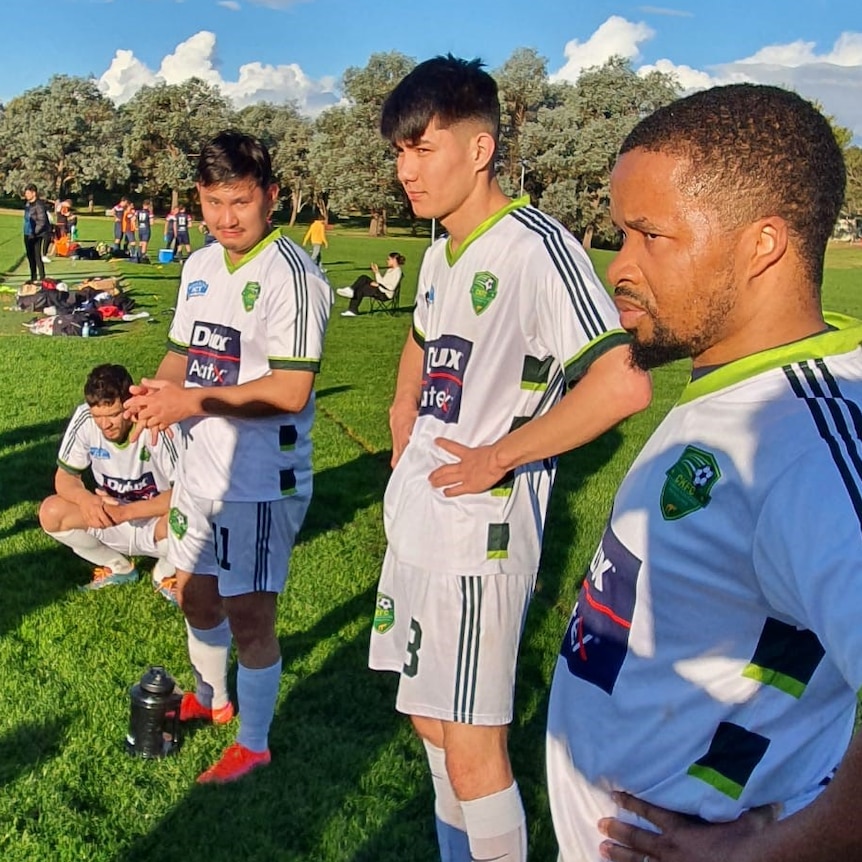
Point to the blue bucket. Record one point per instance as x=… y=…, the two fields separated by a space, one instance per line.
x=166 y=255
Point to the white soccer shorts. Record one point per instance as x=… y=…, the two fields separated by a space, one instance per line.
x=246 y=545
x=453 y=639
x=132 y=538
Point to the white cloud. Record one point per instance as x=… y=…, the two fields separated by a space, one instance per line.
x=197 y=57
x=663 y=10
x=615 y=36
x=229 y=4
x=833 y=78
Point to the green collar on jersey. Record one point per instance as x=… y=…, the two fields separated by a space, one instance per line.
x=252 y=253
x=845 y=335
x=452 y=257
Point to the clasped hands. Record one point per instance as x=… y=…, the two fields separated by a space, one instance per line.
x=154 y=405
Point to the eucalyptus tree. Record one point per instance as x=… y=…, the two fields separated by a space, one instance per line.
x=352 y=166
x=573 y=145
x=523 y=87
x=287 y=135
x=62 y=136
x=165 y=127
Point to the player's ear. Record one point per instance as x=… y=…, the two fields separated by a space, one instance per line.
x=767 y=240
x=272 y=195
x=484 y=149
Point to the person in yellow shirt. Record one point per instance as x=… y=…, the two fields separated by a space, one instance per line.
x=316 y=235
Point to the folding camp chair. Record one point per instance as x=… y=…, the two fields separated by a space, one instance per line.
x=390 y=306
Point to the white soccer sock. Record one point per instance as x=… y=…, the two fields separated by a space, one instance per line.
x=208 y=651
x=89 y=548
x=449 y=817
x=256 y=694
x=162 y=569
x=497 y=826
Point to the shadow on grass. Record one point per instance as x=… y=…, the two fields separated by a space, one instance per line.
x=23 y=476
x=26 y=745
x=340 y=492
x=29 y=581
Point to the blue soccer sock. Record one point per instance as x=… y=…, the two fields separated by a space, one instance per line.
x=256 y=693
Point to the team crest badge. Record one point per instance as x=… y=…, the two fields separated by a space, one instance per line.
x=384 y=614
x=689 y=483
x=178 y=522
x=483 y=290
x=145 y=454
x=250 y=293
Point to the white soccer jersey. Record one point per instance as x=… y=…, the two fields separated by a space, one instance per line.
x=509 y=321
x=234 y=324
x=713 y=658
x=129 y=472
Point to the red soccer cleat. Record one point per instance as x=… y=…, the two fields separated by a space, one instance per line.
x=236 y=762
x=191 y=709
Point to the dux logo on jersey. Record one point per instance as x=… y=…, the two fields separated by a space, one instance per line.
x=688 y=484
x=442 y=384
x=214 y=355
x=597 y=638
x=129 y=490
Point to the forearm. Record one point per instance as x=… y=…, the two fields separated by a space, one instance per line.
x=155 y=507
x=71 y=488
x=408 y=384
x=172 y=368
x=829 y=829
x=280 y=392
x=610 y=391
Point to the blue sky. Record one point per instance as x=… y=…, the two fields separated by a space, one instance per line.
x=279 y=49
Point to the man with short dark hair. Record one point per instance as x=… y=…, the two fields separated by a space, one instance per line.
x=515 y=356
x=37 y=228
x=127 y=513
x=706 y=689
x=243 y=350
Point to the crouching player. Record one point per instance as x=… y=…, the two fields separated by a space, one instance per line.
x=127 y=513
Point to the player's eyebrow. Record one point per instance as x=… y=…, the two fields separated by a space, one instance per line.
x=644 y=225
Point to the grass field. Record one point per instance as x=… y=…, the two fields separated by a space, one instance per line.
x=348 y=783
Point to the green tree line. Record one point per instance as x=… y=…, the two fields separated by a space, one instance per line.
x=558 y=140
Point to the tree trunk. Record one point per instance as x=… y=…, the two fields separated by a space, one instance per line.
x=175 y=199
x=377 y=227
x=587 y=241
x=90 y=203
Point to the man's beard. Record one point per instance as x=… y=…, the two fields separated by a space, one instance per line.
x=667 y=346
x=662 y=348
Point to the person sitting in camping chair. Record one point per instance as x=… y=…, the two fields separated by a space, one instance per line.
x=382 y=287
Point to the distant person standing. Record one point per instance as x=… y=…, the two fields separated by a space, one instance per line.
x=170 y=235
x=128 y=222
x=144 y=218
x=36 y=227
x=316 y=235
x=118 y=210
x=184 y=222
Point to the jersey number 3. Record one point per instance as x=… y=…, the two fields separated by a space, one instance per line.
x=411 y=667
